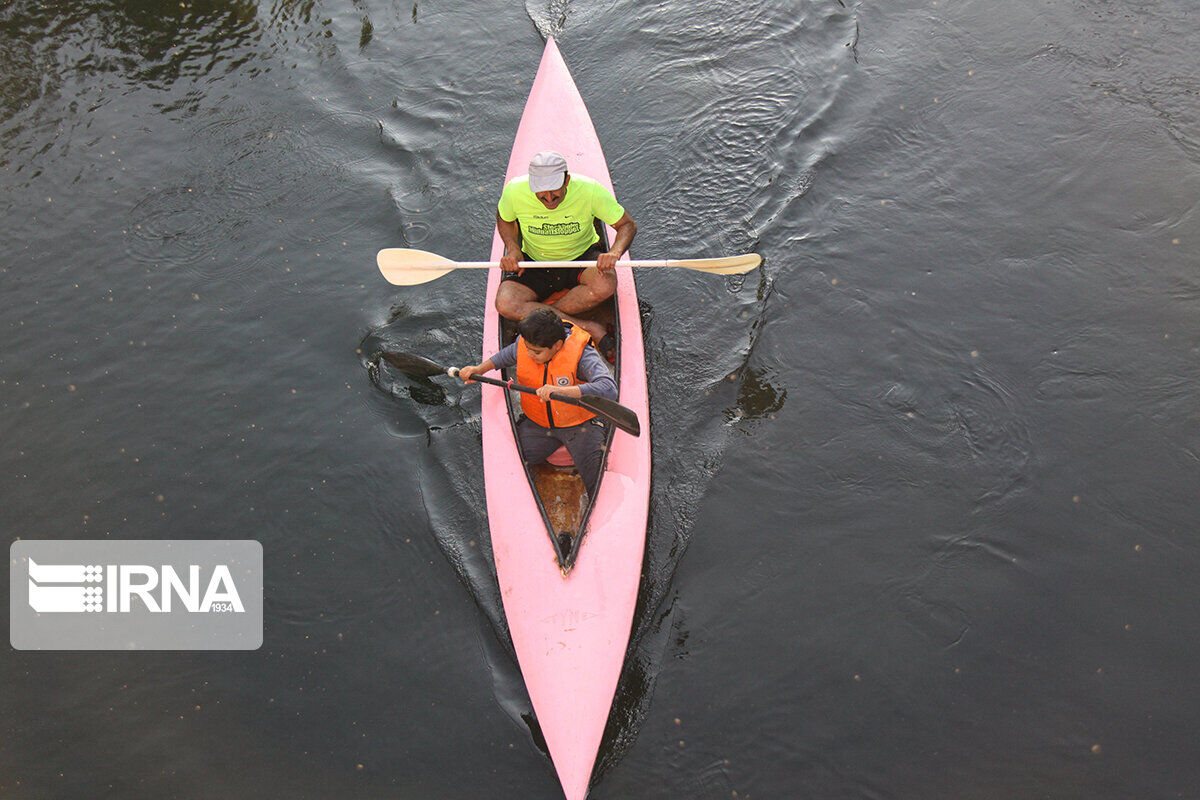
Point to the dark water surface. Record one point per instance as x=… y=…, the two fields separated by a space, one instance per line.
x=924 y=511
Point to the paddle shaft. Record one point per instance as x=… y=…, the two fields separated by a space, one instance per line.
x=661 y=262
x=620 y=416
x=406 y=267
x=562 y=398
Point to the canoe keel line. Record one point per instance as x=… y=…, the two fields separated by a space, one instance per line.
x=568 y=566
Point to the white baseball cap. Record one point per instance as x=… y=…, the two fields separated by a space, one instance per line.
x=547 y=170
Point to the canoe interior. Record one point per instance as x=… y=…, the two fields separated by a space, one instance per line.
x=559 y=490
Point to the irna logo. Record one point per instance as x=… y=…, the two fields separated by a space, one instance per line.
x=80 y=588
x=147 y=594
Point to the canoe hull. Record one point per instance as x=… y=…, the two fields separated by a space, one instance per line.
x=570 y=632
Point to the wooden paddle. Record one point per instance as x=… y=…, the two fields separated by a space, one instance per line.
x=624 y=418
x=404 y=267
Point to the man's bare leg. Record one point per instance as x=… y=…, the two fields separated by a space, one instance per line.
x=593 y=289
x=515 y=301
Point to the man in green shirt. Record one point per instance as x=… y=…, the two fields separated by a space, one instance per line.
x=548 y=215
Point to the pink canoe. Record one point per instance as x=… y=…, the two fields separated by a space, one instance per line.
x=570 y=607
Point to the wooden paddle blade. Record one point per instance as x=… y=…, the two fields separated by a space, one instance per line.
x=624 y=418
x=728 y=265
x=413 y=365
x=404 y=267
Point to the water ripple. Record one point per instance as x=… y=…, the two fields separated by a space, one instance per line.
x=745 y=153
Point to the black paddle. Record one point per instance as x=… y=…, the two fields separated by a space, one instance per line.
x=624 y=418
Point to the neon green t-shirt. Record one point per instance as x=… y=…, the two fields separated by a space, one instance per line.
x=564 y=233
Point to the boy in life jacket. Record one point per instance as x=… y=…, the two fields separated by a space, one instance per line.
x=555 y=356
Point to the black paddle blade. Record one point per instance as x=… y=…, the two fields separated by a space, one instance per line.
x=413 y=365
x=624 y=418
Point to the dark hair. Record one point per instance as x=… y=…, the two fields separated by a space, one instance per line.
x=542 y=328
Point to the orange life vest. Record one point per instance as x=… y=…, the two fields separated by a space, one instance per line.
x=558 y=371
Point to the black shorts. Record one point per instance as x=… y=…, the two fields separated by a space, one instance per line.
x=546 y=282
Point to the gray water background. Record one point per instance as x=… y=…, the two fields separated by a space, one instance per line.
x=924 y=506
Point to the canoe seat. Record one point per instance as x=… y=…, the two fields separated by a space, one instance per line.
x=560 y=458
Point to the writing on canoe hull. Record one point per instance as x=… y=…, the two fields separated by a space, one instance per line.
x=569 y=618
